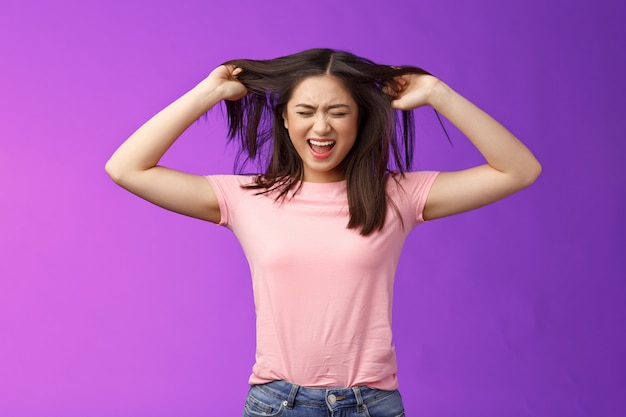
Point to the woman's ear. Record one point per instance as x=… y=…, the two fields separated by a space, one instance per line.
x=285 y=122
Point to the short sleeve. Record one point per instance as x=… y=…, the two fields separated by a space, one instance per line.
x=416 y=187
x=228 y=190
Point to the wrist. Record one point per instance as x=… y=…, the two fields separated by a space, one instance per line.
x=439 y=94
x=208 y=93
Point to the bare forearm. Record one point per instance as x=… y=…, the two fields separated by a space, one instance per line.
x=144 y=148
x=502 y=150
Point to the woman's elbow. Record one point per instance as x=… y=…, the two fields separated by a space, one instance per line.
x=530 y=173
x=114 y=171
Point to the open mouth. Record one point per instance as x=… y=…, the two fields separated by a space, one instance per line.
x=321 y=147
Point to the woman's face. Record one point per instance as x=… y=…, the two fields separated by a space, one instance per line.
x=322 y=120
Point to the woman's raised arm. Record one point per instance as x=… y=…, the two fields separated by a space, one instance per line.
x=134 y=164
x=510 y=165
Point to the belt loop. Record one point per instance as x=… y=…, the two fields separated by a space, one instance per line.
x=359 y=400
x=292 y=396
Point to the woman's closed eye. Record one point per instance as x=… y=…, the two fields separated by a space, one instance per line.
x=311 y=113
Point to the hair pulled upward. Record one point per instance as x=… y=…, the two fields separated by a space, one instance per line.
x=385 y=137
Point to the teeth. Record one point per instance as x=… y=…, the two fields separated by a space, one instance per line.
x=321 y=142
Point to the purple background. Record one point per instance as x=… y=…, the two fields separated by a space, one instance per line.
x=112 y=307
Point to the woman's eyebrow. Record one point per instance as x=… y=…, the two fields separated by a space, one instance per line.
x=332 y=106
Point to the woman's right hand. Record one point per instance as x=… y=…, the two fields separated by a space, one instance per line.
x=224 y=79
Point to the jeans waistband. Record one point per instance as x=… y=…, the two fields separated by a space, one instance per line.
x=340 y=397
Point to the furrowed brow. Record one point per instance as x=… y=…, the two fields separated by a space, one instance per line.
x=332 y=106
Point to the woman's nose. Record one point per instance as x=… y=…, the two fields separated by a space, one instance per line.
x=321 y=125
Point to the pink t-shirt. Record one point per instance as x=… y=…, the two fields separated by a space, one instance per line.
x=323 y=293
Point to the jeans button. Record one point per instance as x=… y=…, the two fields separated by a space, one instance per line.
x=332 y=399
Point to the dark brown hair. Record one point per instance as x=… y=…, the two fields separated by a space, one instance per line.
x=385 y=137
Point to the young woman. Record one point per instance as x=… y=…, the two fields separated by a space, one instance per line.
x=323 y=223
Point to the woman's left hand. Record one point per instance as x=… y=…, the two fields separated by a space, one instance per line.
x=412 y=91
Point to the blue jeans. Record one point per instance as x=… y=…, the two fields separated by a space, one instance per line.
x=280 y=398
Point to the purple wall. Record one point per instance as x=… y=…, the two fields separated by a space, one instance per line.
x=112 y=307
